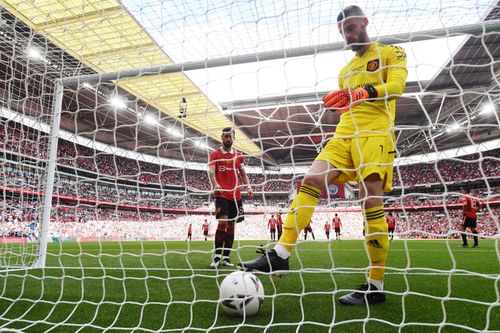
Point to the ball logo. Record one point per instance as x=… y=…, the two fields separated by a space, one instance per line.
x=333 y=189
x=222 y=168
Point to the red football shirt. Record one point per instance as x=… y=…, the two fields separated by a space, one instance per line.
x=279 y=222
x=205 y=227
x=471 y=206
x=327 y=227
x=390 y=222
x=272 y=223
x=227 y=165
x=336 y=222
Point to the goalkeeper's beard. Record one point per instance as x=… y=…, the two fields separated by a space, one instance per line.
x=227 y=145
x=362 y=41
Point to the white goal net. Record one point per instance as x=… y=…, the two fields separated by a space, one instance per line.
x=111 y=109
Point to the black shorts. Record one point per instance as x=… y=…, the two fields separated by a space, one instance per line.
x=230 y=208
x=391 y=230
x=337 y=230
x=272 y=231
x=205 y=233
x=310 y=229
x=469 y=222
x=280 y=228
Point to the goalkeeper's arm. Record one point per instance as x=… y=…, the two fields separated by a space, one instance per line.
x=393 y=87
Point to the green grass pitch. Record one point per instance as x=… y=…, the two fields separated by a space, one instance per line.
x=433 y=286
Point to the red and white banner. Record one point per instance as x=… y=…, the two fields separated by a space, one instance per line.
x=333 y=191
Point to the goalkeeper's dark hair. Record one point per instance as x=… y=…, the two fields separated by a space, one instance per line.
x=227 y=130
x=350 y=11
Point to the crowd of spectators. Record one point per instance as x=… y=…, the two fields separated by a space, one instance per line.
x=443 y=223
x=87 y=220
x=88 y=223
x=90 y=190
x=444 y=198
x=464 y=168
x=29 y=142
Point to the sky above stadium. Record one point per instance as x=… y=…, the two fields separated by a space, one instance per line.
x=197 y=30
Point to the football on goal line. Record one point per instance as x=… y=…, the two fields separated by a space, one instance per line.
x=241 y=294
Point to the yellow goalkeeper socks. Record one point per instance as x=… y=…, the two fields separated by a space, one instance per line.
x=298 y=217
x=377 y=241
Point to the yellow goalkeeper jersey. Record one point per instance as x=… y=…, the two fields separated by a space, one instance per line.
x=384 y=67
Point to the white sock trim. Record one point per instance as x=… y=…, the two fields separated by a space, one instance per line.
x=377 y=283
x=281 y=251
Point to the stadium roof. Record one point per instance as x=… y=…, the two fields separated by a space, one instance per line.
x=105 y=37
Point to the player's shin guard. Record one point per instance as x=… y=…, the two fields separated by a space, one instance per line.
x=299 y=215
x=377 y=241
x=229 y=239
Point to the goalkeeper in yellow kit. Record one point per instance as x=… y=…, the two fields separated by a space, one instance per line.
x=362 y=149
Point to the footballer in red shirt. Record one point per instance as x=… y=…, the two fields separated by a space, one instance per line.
x=224 y=167
x=279 y=224
x=271 y=224
x=469 y=215
x=391 y=224
x=190 y=232
x=337 y=224
x=327 y=230
x=205 y=229
x=307 y=229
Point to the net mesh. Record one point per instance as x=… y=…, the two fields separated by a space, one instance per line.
x=132 y=153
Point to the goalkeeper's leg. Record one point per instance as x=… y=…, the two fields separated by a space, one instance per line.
x=299 y=215
x=377 y=244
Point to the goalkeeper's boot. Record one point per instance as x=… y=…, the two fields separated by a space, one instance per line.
x=226 y=262
x=365 y=294
x=270 y=262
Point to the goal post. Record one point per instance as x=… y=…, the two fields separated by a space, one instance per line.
x=49 y=182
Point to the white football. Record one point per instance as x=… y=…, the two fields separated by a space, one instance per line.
x=241 y=294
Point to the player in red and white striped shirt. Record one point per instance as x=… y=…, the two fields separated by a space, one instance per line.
x=225 y=164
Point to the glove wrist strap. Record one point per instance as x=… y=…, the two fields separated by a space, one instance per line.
x=372 y=92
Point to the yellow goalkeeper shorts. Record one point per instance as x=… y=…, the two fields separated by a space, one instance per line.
x=357 y=158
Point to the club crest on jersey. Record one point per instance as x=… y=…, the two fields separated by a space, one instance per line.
x=373 y=65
